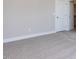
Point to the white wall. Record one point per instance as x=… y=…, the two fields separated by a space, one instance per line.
x=27 y=17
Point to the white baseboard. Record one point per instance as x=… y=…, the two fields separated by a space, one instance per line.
x=25 y=37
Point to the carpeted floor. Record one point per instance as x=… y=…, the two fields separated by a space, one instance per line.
x=61 y=45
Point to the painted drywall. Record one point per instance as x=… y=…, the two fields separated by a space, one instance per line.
x=27 y=17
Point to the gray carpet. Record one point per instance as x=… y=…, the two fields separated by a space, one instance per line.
x=61 y=45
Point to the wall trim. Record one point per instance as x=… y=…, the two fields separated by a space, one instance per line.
x=26 y=37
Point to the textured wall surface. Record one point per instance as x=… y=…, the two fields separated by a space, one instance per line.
x=28 y=17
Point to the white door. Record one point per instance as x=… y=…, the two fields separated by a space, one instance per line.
x=61 y=15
